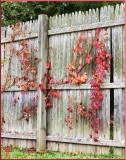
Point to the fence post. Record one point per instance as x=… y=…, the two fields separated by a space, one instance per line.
x=43 y=51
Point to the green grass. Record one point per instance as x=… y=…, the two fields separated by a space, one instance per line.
x=23 y=154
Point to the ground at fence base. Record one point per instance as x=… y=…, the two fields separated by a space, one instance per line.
x=63 y=147
x=15 y=152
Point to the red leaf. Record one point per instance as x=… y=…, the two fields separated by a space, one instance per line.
x=15 y=101
x=95 y=139
x=32 y=151
x=79 y=49
x=35 y=59
x=108 y=56
x=34 y=99
x=90 y=135
x=97 y=30
x=74 y=74
x=26 y=109
x=46 y=99
x=96 y=130
x=42 y=88
x=55 y=94
x=37 y=96
x=48 y=66
x=97 y=121
x=92 y=124
x=70 y=109
x=107 y=65
x=7 y=150
x=83 y=36
x=79 y=68
x=52 y=81
x=88 y=58
x=50 y=105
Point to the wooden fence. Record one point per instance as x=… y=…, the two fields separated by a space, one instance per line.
x=55 y=37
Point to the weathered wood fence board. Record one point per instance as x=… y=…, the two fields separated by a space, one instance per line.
x=55 y=42
x=10 y=112
x=118 y=76
x=43 y=51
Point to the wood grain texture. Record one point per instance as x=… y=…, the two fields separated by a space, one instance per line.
x=85 y=141
x=78 y=28
x=43 y=51
x=22 y=143
x=12 y=113
x=118 y=76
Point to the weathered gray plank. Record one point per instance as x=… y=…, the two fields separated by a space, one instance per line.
x=114 y=143
x=118 y=76
x=43 y=51
x=18 y=136
x=87 y=86
x=22 y=143
x=104 y=112
x=12 y=113
x=35 y=35
x=92 y=26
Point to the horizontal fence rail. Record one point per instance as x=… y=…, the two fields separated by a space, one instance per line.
x=88 y=86
x=85 y=27
x=110 y=143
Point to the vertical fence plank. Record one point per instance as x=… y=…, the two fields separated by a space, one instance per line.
x=41 y=113
x=118 y=76
x=105 y=110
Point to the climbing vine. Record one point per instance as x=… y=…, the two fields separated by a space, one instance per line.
x=102 y=65
x=77 y=76
x=27 y=61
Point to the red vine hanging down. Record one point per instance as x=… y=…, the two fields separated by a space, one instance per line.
x=102 y=64
x=49 y=92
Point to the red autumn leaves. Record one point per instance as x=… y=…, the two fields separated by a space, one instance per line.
x=102 y=64
x=69 y=119
x=47 y=80
x=88 y=58
x=27 y=59
x=78 y=47
x=78 y=76
x=7 y=150
x=28 y=108
x=74 y=70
